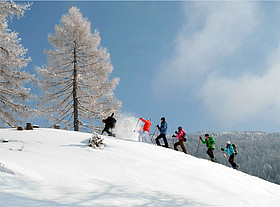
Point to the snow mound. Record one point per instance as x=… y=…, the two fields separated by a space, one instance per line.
x=57 y=168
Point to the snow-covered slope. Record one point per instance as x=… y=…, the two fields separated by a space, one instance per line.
x=48 y=167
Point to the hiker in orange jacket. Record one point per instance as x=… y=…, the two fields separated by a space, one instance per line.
x=146 y=130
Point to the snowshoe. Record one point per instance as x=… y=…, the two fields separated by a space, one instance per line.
x=112 y=135
x=236 y=167
x=213 y=159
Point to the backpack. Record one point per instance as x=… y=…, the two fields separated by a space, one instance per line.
x=184 y=136
x=234 y=146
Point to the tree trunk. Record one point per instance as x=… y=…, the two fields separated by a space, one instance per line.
x=75 y=100
x=29 y=126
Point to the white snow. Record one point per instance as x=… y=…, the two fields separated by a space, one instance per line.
x=51 y=167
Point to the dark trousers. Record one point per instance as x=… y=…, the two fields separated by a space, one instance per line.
x=182 y=144
x=106 y=129
x=210 y=152
x=164 y=139
x=231 y=161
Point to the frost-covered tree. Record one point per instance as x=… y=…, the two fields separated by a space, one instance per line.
x=13 y=94
x=75 y=81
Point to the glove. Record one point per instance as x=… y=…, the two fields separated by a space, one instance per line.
x=176 y=132
x=222 y=149
x=200 y=138
x=157 y=126
x=173 y=135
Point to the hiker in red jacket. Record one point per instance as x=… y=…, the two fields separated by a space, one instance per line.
x=146 y=130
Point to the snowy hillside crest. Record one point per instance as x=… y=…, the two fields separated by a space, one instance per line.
x=57 y=168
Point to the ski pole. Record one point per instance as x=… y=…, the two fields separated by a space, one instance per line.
x=225 y=156
x=136 y=124
x=174 y=139
x=197 y=147
x=154 y=133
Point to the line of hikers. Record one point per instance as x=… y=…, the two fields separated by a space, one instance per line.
x=180 y=134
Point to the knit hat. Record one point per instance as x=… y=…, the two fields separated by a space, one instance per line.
x=180 y=128
x=228 y=142
x=163 y=118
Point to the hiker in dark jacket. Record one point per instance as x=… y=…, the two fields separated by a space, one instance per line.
x=163 y=129
x=210 y=144
x=109 y=124
x=229 y=149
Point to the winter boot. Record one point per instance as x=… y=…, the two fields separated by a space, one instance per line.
x=213 y=159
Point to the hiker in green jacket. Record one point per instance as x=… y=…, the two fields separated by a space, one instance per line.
x=210 y=144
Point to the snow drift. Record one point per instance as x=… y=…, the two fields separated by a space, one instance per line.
x=49 y=167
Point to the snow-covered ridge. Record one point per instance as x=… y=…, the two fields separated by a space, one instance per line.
x=57 y=168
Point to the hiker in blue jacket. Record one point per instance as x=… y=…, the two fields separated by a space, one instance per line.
x=229 y=149
x=163 y=129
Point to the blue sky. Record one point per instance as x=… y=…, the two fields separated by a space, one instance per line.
x=207 y=66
